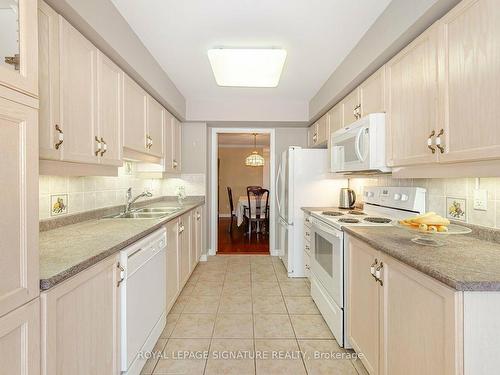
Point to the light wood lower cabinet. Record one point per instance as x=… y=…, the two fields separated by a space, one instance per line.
x=20 y=340
x=172 y=257
x=363 y=317
x=404 y=322
x=19 y=281
x=81 y=323
x=185 y=268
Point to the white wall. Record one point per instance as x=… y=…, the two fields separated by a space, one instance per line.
x=194 y=147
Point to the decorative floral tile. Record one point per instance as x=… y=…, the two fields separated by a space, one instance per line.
x=456 y=208
x=58 y=204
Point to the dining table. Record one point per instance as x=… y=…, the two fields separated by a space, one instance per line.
x=241 y=208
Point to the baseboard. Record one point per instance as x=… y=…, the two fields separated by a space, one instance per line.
x=211 y=252
x=275 y=253
x=224 y=215
x=203 y=258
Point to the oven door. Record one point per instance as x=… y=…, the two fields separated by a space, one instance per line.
x=328 y=259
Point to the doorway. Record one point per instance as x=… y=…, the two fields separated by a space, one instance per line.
x=242 y=191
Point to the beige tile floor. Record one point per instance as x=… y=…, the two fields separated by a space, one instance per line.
x=246 y=307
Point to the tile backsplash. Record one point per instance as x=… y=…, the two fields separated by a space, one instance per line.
x=443 y=192
x=68 y=195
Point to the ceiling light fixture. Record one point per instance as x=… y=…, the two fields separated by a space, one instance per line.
x=254 y=159
x=239 y=67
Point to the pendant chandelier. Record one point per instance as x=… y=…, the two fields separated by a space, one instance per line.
x=254 y=159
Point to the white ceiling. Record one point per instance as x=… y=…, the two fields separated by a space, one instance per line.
x=317 y=34
x=242 y=139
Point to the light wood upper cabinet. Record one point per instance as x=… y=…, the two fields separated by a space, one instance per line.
x=19 y=280
x=172 y=256
x=420 y=323
x=318 y=133
x=19 y=47
x=49 y=84
x=335 y=119
x=412 y=101
x=134 y=119
x=372 y=93
x=81 y=323
x=20 y=340
x=109 y=83
x=363 y=304
x=470 y=78
x=350 y=107
x=78 y=96
x=177 y=145
x=311 y=135
x=155 y=127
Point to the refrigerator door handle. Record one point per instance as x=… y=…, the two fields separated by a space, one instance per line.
x=277 y=187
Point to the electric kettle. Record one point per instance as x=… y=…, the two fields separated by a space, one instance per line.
x=347 y=198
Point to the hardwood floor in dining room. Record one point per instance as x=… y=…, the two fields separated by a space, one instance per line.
x=237 y=242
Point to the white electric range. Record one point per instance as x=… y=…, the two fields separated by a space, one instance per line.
x=329 y=286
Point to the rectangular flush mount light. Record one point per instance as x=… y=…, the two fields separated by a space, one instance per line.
x=247 y=67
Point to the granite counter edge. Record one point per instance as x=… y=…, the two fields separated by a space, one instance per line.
x=46 y=284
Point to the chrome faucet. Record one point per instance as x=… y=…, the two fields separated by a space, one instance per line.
x=131 y=200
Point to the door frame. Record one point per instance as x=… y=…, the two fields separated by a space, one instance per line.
x=213 y=196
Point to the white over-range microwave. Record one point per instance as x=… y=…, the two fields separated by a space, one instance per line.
x=360 y=147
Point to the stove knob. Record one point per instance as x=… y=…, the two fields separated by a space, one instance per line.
x=404 y=197
x=397 y=196
x=369 y=194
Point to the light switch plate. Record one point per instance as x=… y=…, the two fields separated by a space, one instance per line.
x=480 y=199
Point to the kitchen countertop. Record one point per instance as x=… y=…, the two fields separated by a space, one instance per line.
x=67 y=250
x=464 y=263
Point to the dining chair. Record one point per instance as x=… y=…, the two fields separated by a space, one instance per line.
x=231 y=206
x=259 y=213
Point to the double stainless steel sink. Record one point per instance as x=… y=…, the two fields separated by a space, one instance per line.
x=146 y=213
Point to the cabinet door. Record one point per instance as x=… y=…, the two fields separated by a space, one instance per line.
x=20 y=340
x=420 y=323
x=19 y=46
x=363 y=304
x=78 y=96
x=109 y=82
x=349 y=104
x=168 y=142
x=323 y=130
x=172 y=262
x=335 y=118
x=134 y=119
x=372 y=93
x=194 y=239
x=311 y=135
x=412 y=101
x=155 y=127
x=177 y=162
x=48 y=70
x=199 y=234
x=19 y=281
x=185 y=248
x=81 y=323
x=470 y=78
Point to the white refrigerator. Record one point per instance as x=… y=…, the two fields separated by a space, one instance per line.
x=303 y=180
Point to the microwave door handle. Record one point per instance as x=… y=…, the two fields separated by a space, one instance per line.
x=356 y=145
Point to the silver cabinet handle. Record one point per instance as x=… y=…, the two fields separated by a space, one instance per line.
x=308 y=267
x=308 y=248
x=429 y=142
x=60 y=137
x=372 y=267
x=104 y=147
x=122 y=274
x=438 y=141
x=98 y=146
x=378 y=273
x=174 y=163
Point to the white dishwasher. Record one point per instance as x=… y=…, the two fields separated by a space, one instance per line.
x=143 y=299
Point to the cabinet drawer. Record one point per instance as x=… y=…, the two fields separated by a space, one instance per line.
x=307 y=264
x=307 y=233
x=307 y=246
